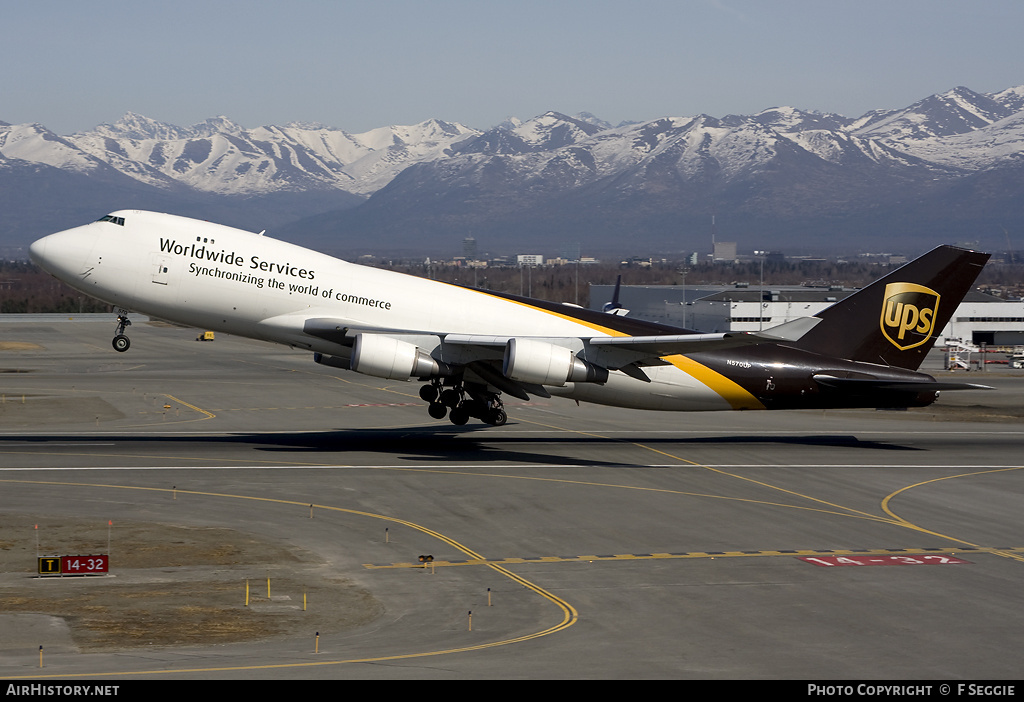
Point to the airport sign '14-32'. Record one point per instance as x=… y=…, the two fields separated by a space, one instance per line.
x=74 y=565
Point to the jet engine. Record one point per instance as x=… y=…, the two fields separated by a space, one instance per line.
x=541 y=363
x=386 y=357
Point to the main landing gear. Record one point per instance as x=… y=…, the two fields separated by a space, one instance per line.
x=483 y=405
x=121 y=342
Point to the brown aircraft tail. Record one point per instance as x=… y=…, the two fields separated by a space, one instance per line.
x=894 y=321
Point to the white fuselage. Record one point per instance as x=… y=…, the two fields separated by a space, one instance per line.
x=224 y=279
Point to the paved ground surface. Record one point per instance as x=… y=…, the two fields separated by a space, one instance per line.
x=572 y=542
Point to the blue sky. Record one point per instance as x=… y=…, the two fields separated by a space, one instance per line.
x=71 y=65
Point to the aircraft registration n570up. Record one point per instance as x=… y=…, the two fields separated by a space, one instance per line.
x=470 y=346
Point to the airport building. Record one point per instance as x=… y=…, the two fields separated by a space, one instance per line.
x=980 y=318
x=530 y=259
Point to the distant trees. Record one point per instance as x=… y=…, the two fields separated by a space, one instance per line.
x=559 y=283
x=25 y=288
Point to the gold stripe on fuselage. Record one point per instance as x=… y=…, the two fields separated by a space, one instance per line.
x=737 y=397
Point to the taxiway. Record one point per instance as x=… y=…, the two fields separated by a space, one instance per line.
x=573 y=542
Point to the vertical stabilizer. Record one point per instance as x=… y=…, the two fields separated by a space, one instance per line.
x=895 y=320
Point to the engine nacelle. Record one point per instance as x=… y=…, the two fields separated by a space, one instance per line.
x=386 y=357
x=541 y=363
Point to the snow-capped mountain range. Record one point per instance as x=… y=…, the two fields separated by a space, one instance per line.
x=579 y=178
x=219 y=156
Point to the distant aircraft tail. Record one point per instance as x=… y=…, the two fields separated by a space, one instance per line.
x=615 y=307
x=894 y=321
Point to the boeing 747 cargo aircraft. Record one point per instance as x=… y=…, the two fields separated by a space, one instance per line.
x=469 y=346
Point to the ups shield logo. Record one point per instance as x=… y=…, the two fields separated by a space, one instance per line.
x=908 y=314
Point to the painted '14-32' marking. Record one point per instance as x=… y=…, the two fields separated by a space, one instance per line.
x=916 y=559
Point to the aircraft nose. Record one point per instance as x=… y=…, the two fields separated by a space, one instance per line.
x=62 y=254
x=37 y=251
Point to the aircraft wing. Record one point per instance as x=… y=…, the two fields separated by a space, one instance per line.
x=668 y=345
x=640 y=347
x=629 y=353
x=486 y=356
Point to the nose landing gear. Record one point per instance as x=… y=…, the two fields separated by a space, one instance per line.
x=120 y=342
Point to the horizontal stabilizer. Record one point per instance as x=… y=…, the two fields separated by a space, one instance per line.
x=789 y=331
x=863 y=385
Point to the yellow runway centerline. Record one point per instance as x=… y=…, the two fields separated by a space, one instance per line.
x=952 y=551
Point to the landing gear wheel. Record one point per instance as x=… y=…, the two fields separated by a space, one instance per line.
x=497 y=417
x=437 y=410
x=451 y=397
x=459 y=416
x=428 y=393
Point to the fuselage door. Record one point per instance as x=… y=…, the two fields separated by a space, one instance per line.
x=161 y=268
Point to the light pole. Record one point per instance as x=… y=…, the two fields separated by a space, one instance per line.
x=760 y=306
x=577 y=281
x=682 y=272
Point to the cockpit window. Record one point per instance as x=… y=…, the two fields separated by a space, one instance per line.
x=112 y=219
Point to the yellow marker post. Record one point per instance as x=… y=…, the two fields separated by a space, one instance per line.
x=317 y=650
x=471 y=620
x=488 y=597
x=268 y=588
x=247 y=592
x=303 y=602
x=40 y=656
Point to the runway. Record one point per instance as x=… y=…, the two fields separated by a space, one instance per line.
x=573 y=542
